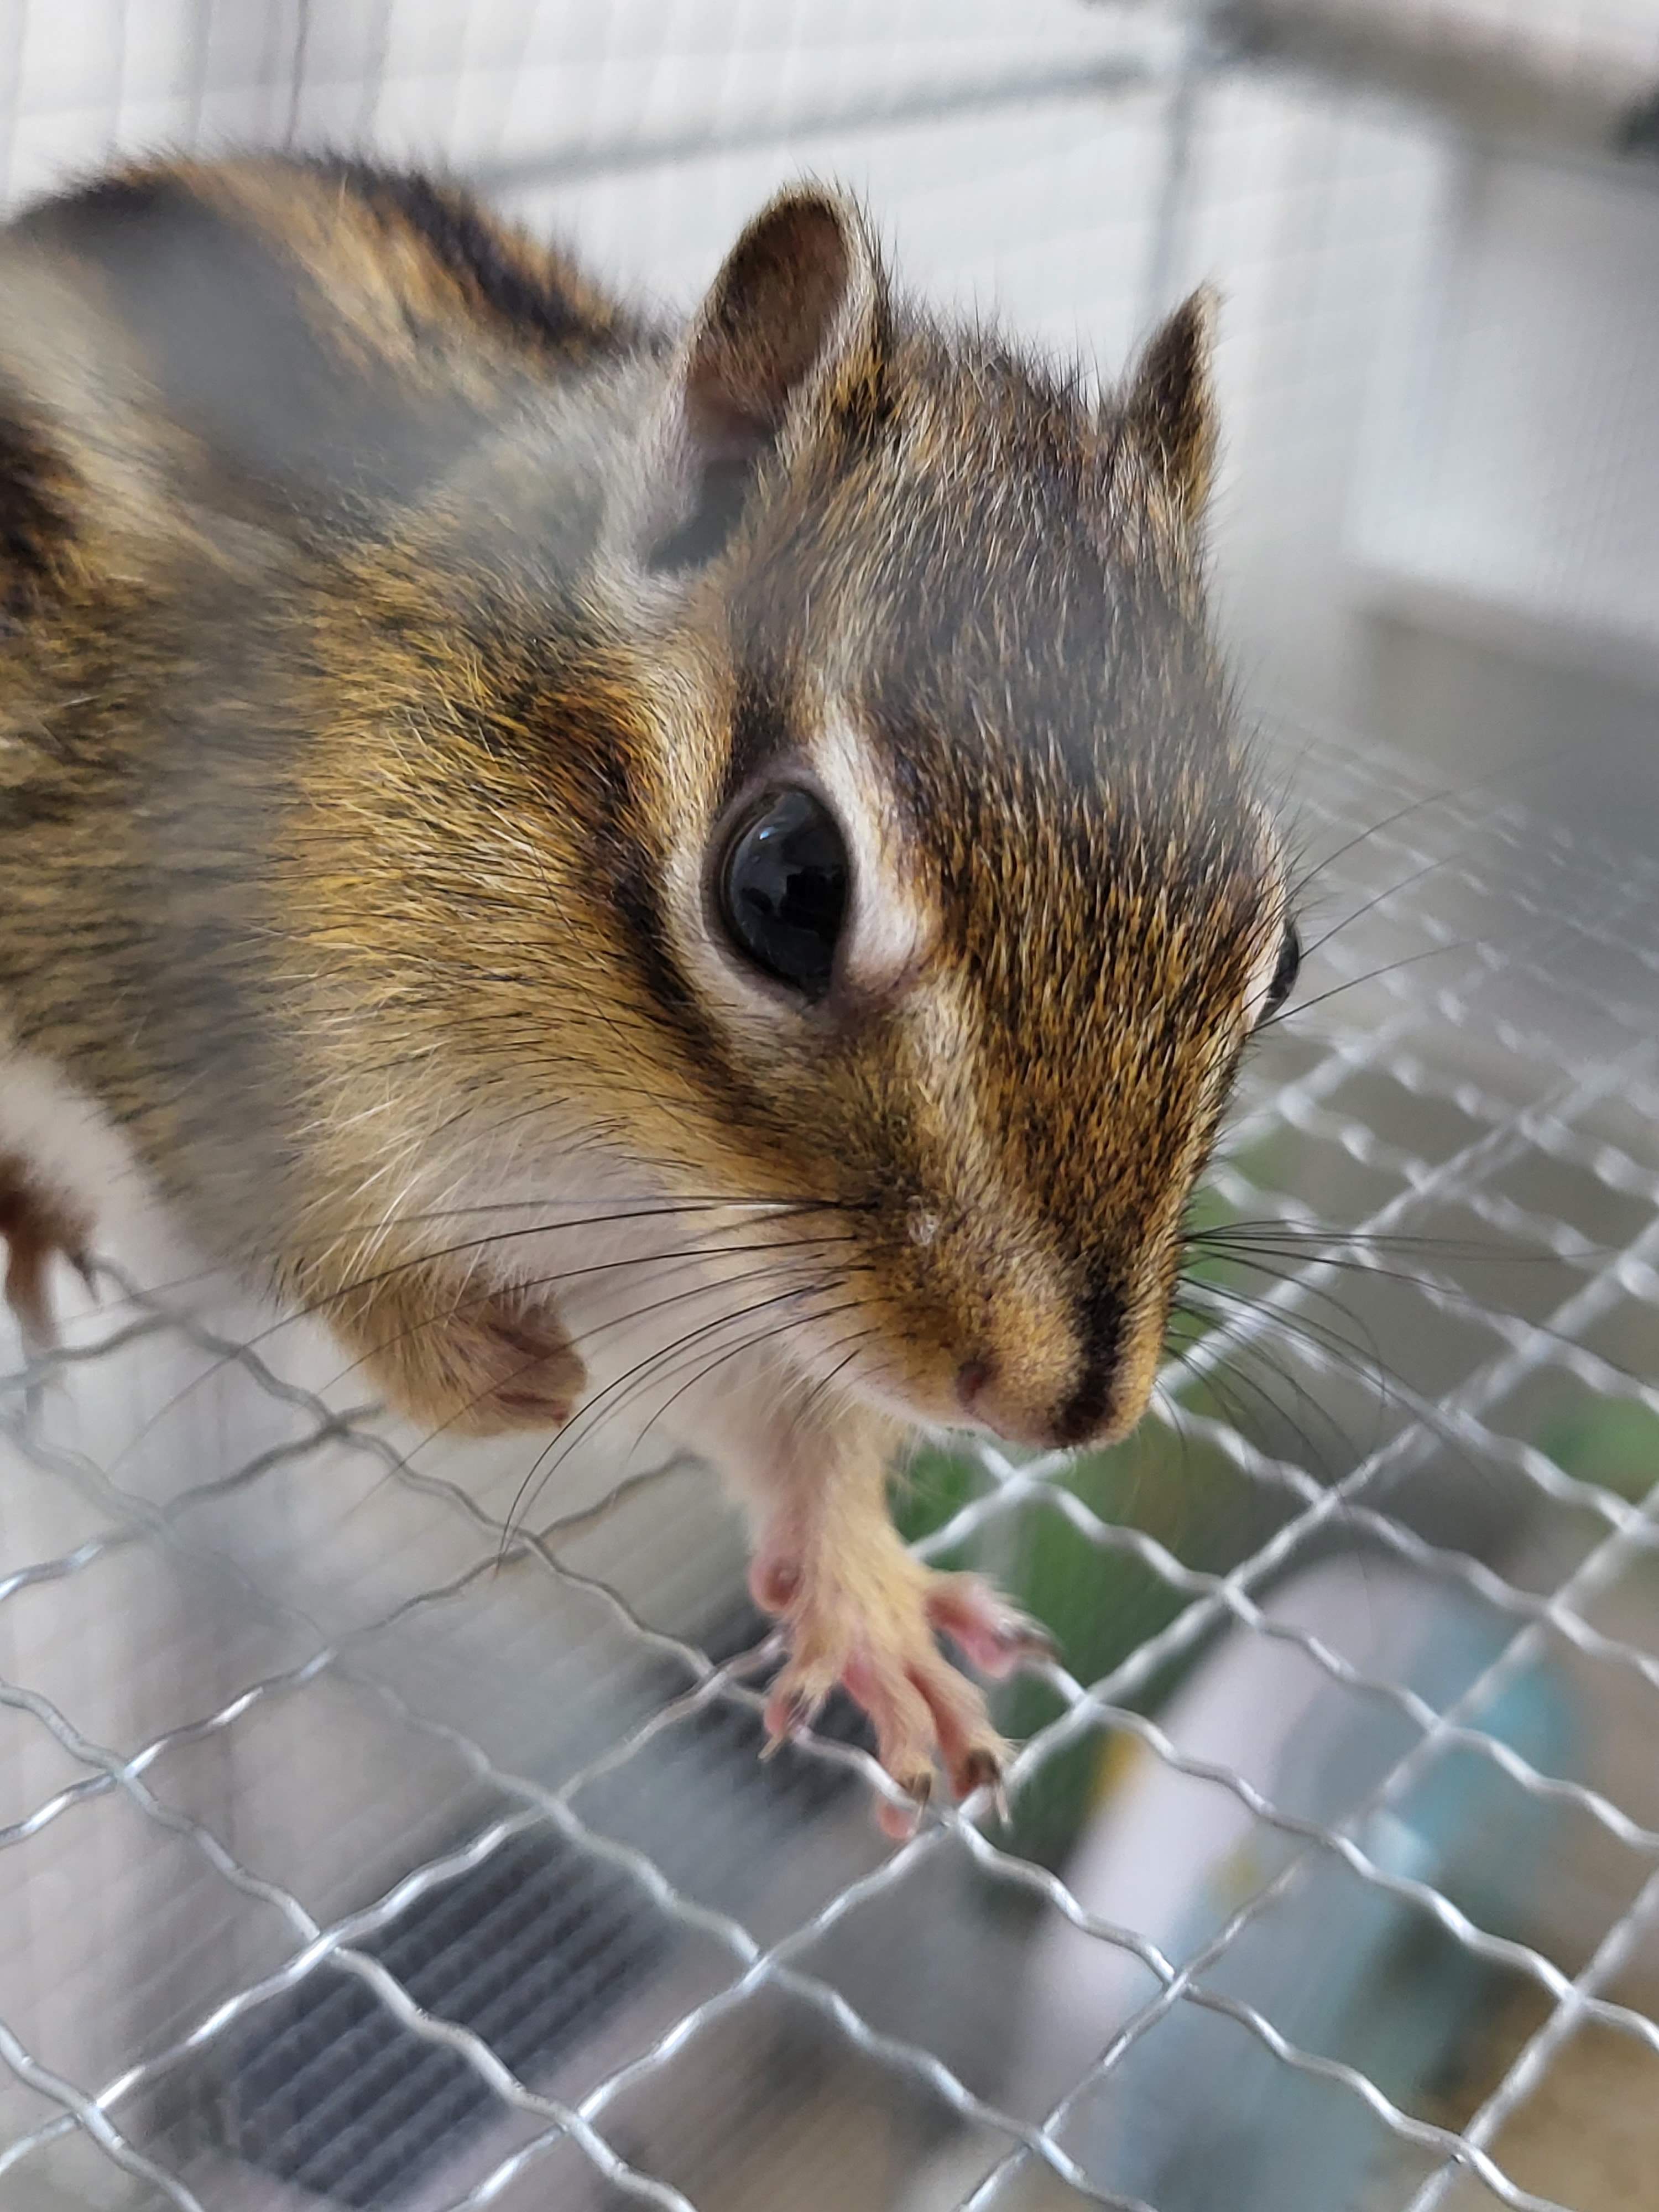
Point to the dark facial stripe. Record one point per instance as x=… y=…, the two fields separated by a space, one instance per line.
x=760 y=732
x=630 y=883
x=1099 y=1316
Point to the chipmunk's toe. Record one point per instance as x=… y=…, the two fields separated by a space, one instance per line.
x=472 y=1361
x=525 y=1372
x=773 y=1579
x=797 y=1698
x=874 y=1637
x=969 y=1748
x=995 y=1635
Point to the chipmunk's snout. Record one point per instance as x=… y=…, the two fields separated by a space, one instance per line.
x=1102 y=1395
x=1100 y=1409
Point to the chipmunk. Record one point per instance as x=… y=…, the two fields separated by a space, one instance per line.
x=706 y=872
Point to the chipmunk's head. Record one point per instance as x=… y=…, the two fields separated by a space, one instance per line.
x=917 y=881
x=960 y=907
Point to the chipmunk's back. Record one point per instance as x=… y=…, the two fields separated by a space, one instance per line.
x=319 y=329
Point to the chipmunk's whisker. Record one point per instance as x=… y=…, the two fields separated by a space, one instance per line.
x=1452 y=1293
x=657 y=1263
x=1389 y=1384
x=1220 y=1379
x=1287 y=1323
x=315 y=1307
x=1225 y=1385
x=619 y=1210
x=1449 y=795
x=1317 y=1241
x=1371 y=974
x=821 y=1389
x=814 y=1394
x=663 y=1361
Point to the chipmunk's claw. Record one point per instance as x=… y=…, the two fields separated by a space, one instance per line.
x=984 y=1770
x=901 y=1822
x=789 y=1716
x=980 y=1769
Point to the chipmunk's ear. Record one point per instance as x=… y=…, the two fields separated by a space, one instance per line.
x=794 y=312
x=1169 y=413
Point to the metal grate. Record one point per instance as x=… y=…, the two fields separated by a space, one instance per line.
x=359 y=1847
x=626 y=1957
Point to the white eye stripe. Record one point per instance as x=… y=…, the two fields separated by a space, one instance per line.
x=1259 y=982
x=890 y=925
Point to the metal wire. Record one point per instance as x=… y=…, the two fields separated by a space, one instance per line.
x=1471 y=1072
x=1426 y=1042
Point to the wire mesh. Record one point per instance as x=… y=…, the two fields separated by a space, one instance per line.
x=362 y=1845
x=1470 y=1105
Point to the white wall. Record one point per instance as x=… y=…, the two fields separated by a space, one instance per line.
x=1434 y=371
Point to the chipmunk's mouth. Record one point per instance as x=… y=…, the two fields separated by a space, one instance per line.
x=980 y=1401
x=1043 y=1364
x=1100 y=1408
x=1099 y=1412
x=1101 y=1397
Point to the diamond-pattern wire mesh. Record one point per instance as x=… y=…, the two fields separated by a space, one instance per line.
x=275 y=1705
x=1505 y=1056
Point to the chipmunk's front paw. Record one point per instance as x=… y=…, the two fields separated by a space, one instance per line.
x=869 y=1626
x=467 y=1361
x=522 y=1371
x=34 y=1225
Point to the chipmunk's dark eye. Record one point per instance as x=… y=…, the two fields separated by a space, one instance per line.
x=783 y=890
x=1284 y=975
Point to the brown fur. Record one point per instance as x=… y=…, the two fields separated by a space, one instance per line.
x=396 y=622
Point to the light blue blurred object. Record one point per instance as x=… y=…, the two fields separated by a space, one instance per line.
x=1197 y=2112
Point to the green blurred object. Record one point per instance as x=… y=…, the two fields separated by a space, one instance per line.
x=1612 y=1442
x=1100 y=1604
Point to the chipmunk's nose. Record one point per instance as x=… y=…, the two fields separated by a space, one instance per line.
x=1028 y=1415
x=972 y=1376
x=1097 y=1398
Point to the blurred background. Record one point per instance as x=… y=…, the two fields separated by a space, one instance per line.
x=357 y=1851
